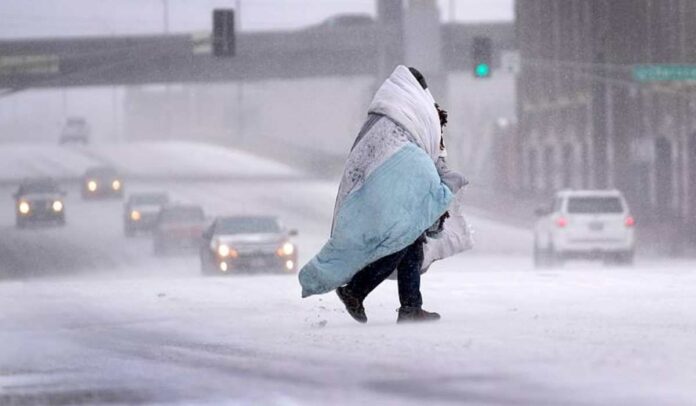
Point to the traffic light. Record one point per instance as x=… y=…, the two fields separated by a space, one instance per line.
x=223 y=32
x=482 y=57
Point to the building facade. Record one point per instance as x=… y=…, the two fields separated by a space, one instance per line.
x=584 y=119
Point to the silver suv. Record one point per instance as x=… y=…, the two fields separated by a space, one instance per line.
x=585 y=224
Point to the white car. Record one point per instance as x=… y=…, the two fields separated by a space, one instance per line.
x=585 y=224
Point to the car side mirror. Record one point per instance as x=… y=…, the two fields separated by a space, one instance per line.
x=293 y=233
x=541 y=212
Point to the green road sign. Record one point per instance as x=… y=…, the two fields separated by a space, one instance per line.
x=664 y=73
x=29 y=64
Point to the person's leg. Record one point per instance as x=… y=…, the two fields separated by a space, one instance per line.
x=409 y=286
x=372 y=275
x=409 y=275
x=364 y=282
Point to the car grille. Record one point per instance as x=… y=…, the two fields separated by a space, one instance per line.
x=259 y=260
x=41 y=207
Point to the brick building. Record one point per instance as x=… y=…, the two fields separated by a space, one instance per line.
x=585 y=122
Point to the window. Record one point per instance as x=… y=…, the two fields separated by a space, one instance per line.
x=594 y=205
x=154 y=199
x=247 y=225
x=183 y=214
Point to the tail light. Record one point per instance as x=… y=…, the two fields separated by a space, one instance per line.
x=630 y=221
x=561 y=222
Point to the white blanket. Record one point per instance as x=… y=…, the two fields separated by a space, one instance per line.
x=402 y=99
x=455 y=237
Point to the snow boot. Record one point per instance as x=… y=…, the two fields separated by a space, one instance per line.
x=415 y=314
x=354 y=306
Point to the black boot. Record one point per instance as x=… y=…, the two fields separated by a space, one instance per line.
x=354 y=305
x=415 y=314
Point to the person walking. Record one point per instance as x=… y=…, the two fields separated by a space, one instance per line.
x=393 y=189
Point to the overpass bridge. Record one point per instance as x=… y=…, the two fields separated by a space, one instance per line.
x=311 y=52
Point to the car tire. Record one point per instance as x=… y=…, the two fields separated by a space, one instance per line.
x=206 y=266
x=158 y=247
x=557 y=260
x=623 y=258
x=538 y=256
x=543 y=258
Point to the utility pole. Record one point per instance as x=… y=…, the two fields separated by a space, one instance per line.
x=165 y=15
x=240 y=83
x=114 y=114
x=238 y=14
x=64 y=100
x=167 y=90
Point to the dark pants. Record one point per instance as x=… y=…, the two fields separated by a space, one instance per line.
x=407 y=262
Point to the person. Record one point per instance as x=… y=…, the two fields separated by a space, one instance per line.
x=409 y=261
x=393 y=189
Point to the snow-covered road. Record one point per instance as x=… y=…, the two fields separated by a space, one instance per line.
x=90 y=317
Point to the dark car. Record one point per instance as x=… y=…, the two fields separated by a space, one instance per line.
x=141 y=210
x=75 y=131
x=178 y=228
x=102 y=182
x=247 y=244
x=346 y=20
x=39 y=200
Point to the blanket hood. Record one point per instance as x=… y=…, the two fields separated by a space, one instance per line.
x=402 y=99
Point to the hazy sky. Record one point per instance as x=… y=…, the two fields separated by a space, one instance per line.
x=42 y=18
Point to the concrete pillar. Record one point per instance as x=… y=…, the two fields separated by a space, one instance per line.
x=390 y=17
x=423 y=44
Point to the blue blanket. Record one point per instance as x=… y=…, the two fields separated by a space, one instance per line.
x=397 y=202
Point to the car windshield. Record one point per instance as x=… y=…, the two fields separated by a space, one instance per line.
x=76 y=125
x=154 y=199
x=182 y=214
x=76 y=121
x=247 y=225
x=349 y=20
x=594 y=205
x=42 y=186
x=101 y=173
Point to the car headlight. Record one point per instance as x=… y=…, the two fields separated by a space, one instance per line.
x=24 y=207
x=289 y=265
x=116 y=184
x=92 y=185
x=286 y=250
x=224 y=251
x=135 y=215
x=57 y=206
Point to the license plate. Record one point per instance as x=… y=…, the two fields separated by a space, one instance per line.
x=596 y=226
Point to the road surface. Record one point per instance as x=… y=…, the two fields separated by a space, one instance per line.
x=91 y=317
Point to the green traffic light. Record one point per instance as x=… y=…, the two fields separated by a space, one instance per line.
x=482 y=70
